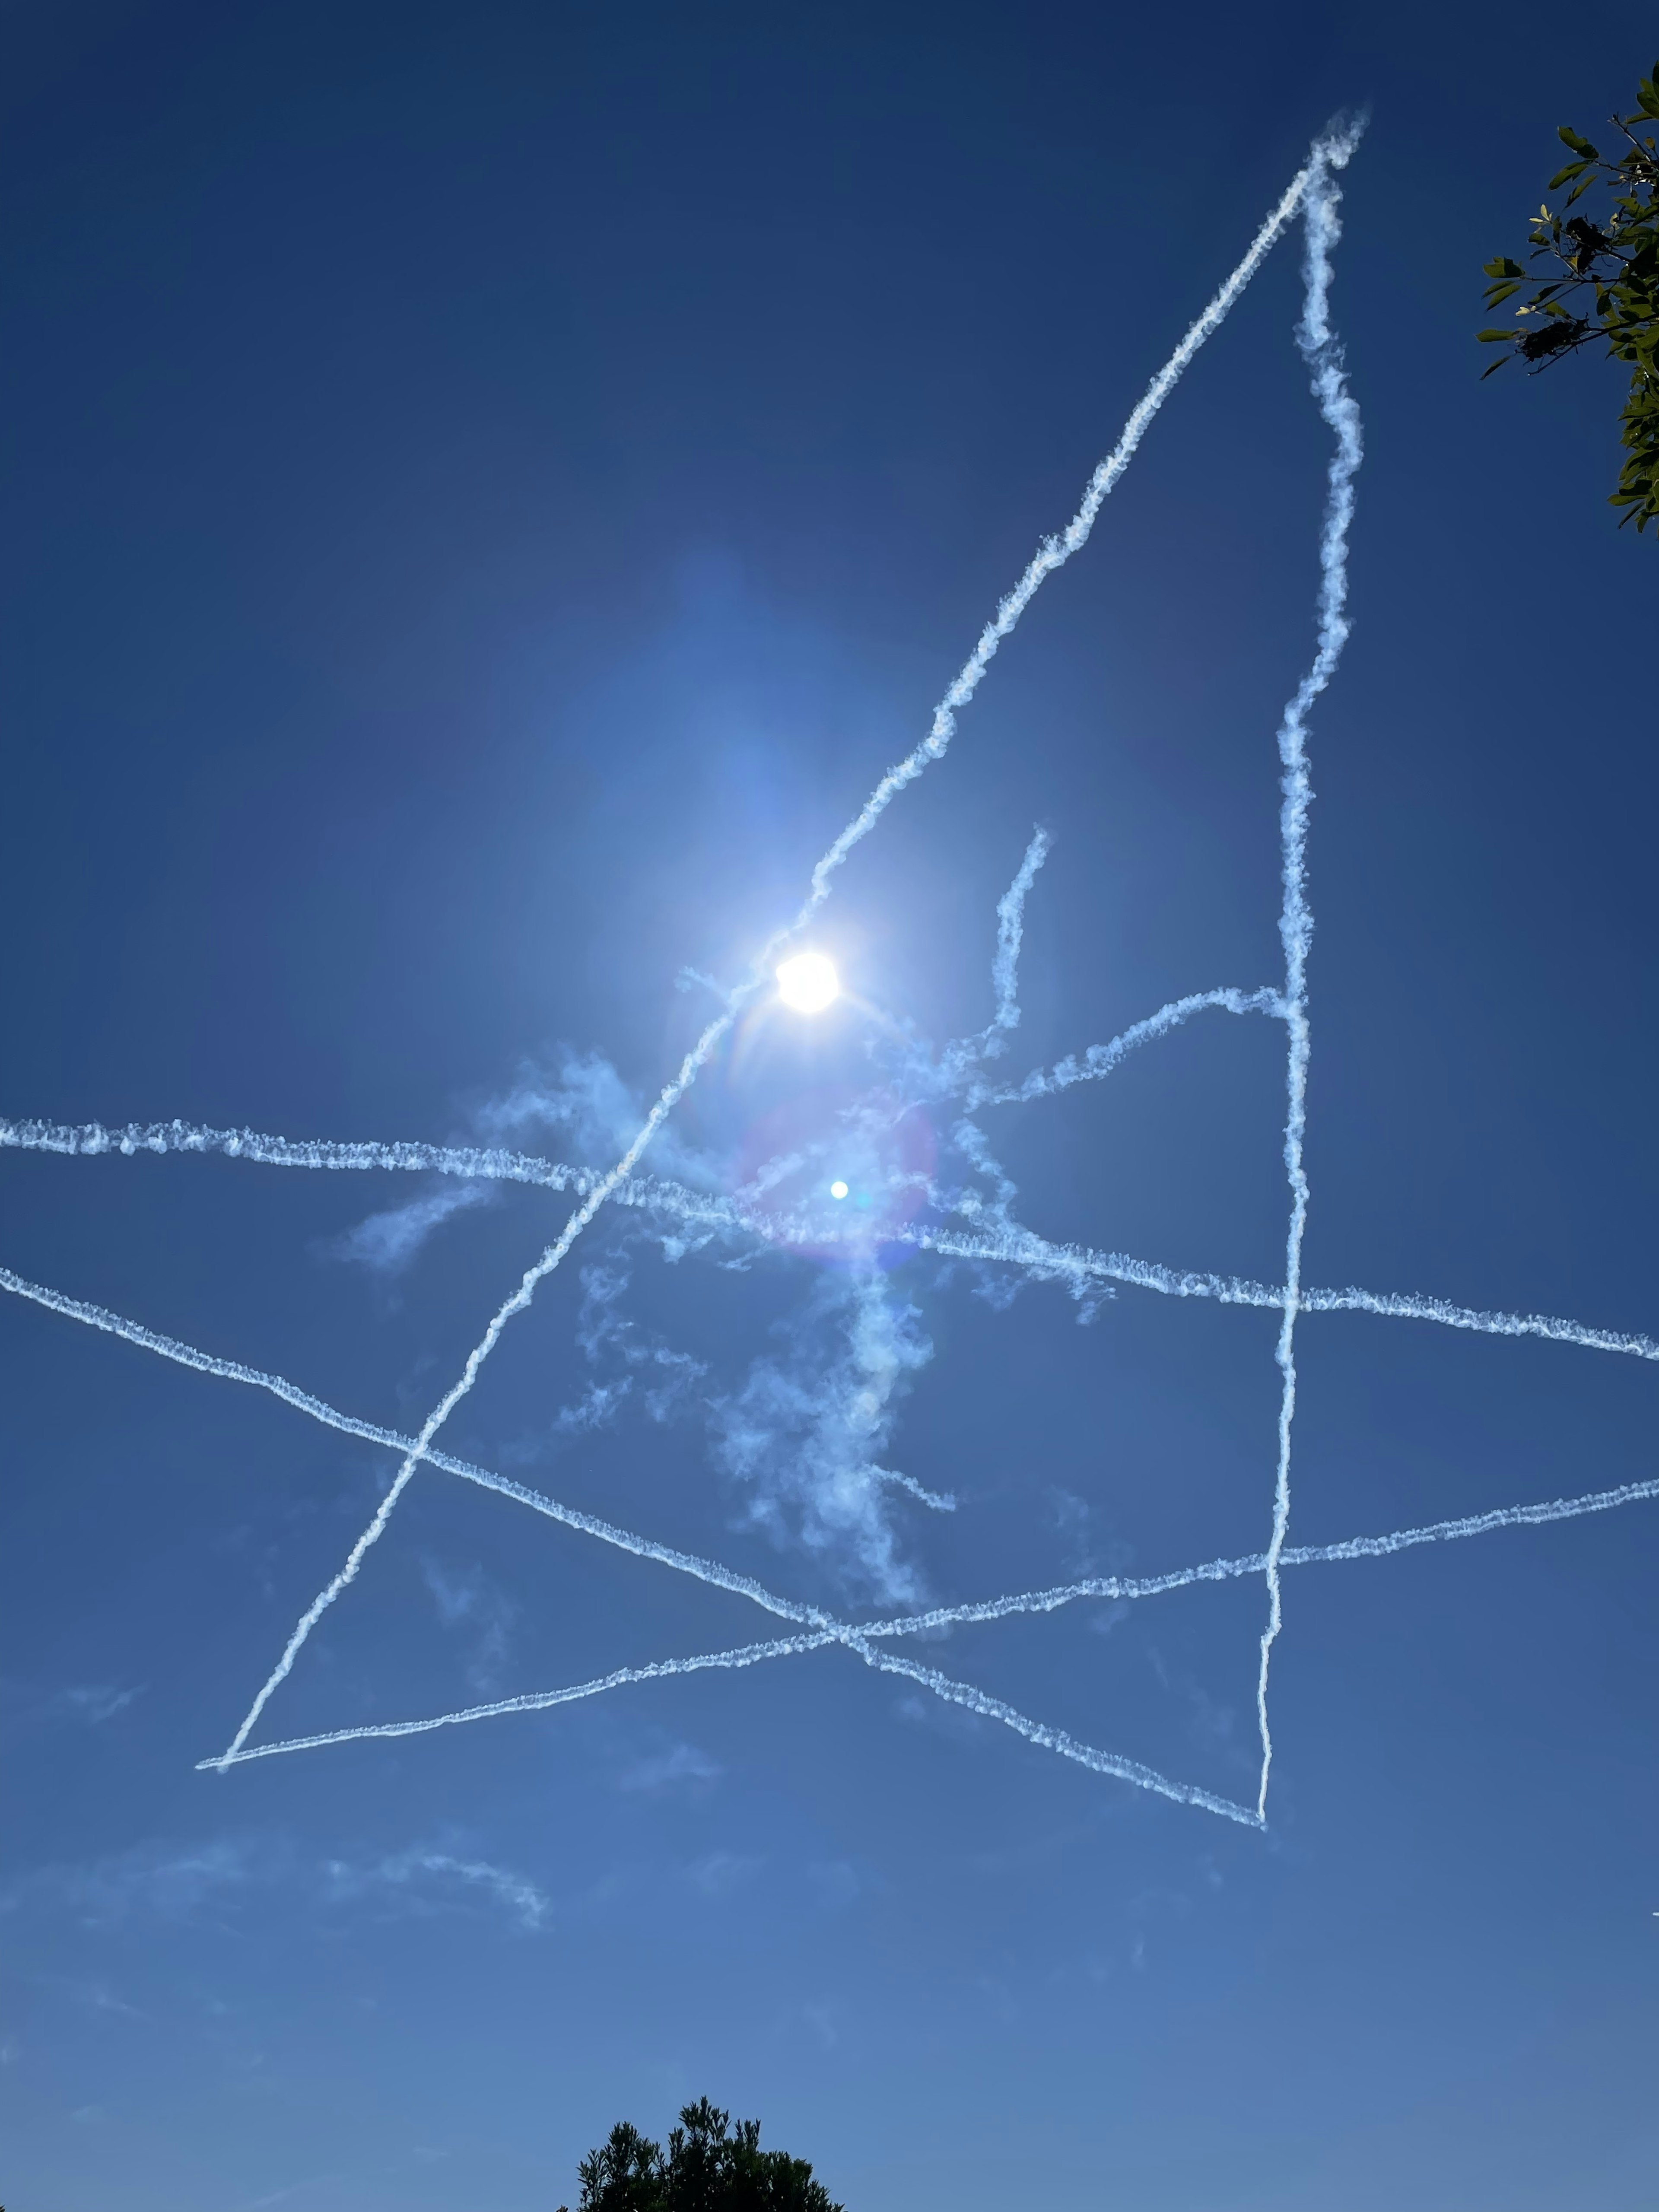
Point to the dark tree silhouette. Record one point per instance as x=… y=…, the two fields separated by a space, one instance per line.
x=1599 y=280
x=709 y=2167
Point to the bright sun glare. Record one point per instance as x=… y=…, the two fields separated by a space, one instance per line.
x=808 y=982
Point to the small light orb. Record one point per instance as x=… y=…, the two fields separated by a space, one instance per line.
x=808 y=982
x=837 y=1190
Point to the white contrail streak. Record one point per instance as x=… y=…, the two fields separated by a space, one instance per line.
x=1399 y=1306
x=1057 y=1739
x=1320 y=351
x=91 y=1139
x=647 y=1193
x=1052 y=554
x=1011 y=931
x=1045 y=1259
x=748 y=1654
x=1014 y=1247
x=1100 y=1060
x=958 y=1057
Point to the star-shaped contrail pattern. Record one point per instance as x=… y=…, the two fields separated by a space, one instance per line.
x=973 y=1224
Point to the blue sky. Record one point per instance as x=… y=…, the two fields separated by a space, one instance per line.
x=492 y=489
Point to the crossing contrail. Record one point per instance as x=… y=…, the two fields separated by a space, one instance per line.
x=818 y=1630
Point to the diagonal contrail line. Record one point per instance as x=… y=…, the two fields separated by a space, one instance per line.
x=1015 y=1247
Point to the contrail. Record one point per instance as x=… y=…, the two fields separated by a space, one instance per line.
x=91 y=1138
x=1400 y=1306
x=748 y=1654
x=965 y=1052
x=1057 y=1739
x=647 y=1193
x=1052 y=554
x=1319 y=347
x=1014 y=1247
x=1046 y=1259
x=1100 y=1060
x=1011 y=931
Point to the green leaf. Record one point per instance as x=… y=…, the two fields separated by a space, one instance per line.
x=1569 y=137
x=1494 y=337
x=1499 y=292
x=1504 y=267
x=1565 y=176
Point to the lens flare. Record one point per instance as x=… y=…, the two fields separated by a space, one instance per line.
x=808 y=982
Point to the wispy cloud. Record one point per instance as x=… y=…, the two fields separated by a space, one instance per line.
x=79 y=1704
x=940 y=1719
x=287 y=2194
x=427 y=1880
x=471 y=1600
x=170 y=1882
x=586 y=1103
x=93 y=1996
x=205 y=1882
x=387 y=1243
x=804 y=1432
x=722 y=1872
x=595 y=1112
x=836 y=1881
x=632 y=1366
x=96 y=1703
x=680 y=1762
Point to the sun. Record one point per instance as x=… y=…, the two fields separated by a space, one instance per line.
x=808 y=982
